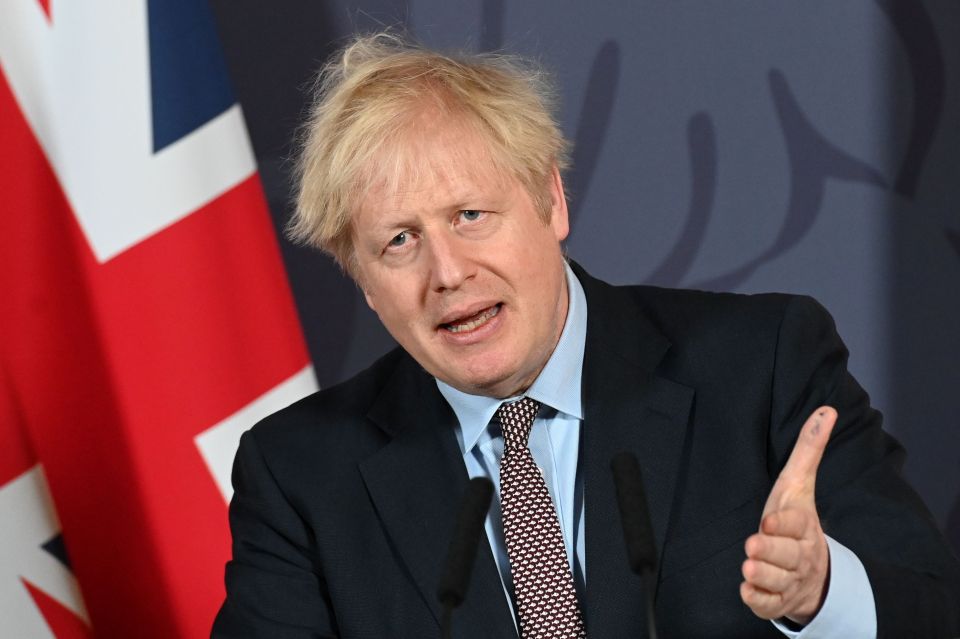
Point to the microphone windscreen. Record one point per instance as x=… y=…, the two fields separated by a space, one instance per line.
x=463 y=544
x=634 y=514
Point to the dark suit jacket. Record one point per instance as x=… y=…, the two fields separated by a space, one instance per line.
x=345 y=501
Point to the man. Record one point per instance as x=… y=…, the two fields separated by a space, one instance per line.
x=436 y=183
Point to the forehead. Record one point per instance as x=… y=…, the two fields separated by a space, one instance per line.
x=432 y=165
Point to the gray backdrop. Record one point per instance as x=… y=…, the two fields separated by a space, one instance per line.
x=807 y=147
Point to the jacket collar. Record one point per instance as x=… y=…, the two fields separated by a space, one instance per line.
x=627 y=407
x=416 y=483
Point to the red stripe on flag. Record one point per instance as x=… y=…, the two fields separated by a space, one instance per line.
x=61 y=621
x=16 y=452
x=45 y=5
x=51 y=346
x=118 y=366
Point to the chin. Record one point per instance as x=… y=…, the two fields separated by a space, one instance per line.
x=479 y=383
x=500 y=386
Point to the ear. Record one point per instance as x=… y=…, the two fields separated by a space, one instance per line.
x=559 y=216
x=352 y=268
x=357 y=278
x=369 y=299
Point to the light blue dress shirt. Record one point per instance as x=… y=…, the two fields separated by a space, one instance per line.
x=848 y=610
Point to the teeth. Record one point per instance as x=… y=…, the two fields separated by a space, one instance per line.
x=474 y=323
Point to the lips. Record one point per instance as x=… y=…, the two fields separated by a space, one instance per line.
x=472 y=322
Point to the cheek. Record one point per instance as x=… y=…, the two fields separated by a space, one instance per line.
x=393 y=312
x=401 y=312
x=390 y=294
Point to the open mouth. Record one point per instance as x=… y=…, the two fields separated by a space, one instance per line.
x=474 y=321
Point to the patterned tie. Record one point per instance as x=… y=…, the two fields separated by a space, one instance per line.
x=542 y=582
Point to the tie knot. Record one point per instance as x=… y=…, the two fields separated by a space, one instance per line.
x=516 y=419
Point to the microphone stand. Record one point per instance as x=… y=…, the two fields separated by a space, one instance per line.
x=649 y=579
x=446 y=627
x=637 y=529
x=463 y=549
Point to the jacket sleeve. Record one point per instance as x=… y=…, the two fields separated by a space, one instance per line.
x=862 y=498
x=273 y=584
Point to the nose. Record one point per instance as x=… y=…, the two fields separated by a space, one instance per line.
x=450 y=262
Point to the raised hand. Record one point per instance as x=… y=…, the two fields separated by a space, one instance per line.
x=788 y=563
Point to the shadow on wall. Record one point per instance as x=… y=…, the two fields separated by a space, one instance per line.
x=925 y=252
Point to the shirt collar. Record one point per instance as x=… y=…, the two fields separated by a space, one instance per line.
x=557 y=386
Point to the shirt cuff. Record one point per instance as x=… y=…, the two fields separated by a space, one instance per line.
x=849 y=609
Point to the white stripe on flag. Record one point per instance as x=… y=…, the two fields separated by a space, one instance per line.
x=218 y=444
x=82 y=82
x=29 y=522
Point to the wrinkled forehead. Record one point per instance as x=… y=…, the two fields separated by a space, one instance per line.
x=440 y=155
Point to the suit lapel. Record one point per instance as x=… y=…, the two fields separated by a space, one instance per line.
x=627 y=407
x=416 y=483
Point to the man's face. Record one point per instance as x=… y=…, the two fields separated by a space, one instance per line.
x=461 y=268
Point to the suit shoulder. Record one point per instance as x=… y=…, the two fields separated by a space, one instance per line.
x=343 y=405
x=690 y=309
x=736 y=327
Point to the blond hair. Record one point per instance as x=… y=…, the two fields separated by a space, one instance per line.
x=371 y=93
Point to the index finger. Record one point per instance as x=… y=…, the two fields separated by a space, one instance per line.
x=808 y=451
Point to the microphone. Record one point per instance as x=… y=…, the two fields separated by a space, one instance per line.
x=463 y=548
x=637 y=529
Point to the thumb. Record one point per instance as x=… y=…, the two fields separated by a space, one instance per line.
x=798 y=477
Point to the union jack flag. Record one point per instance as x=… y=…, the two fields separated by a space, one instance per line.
x=146 y=318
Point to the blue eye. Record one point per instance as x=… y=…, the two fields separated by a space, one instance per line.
x=399 y=240
x=470 y=215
